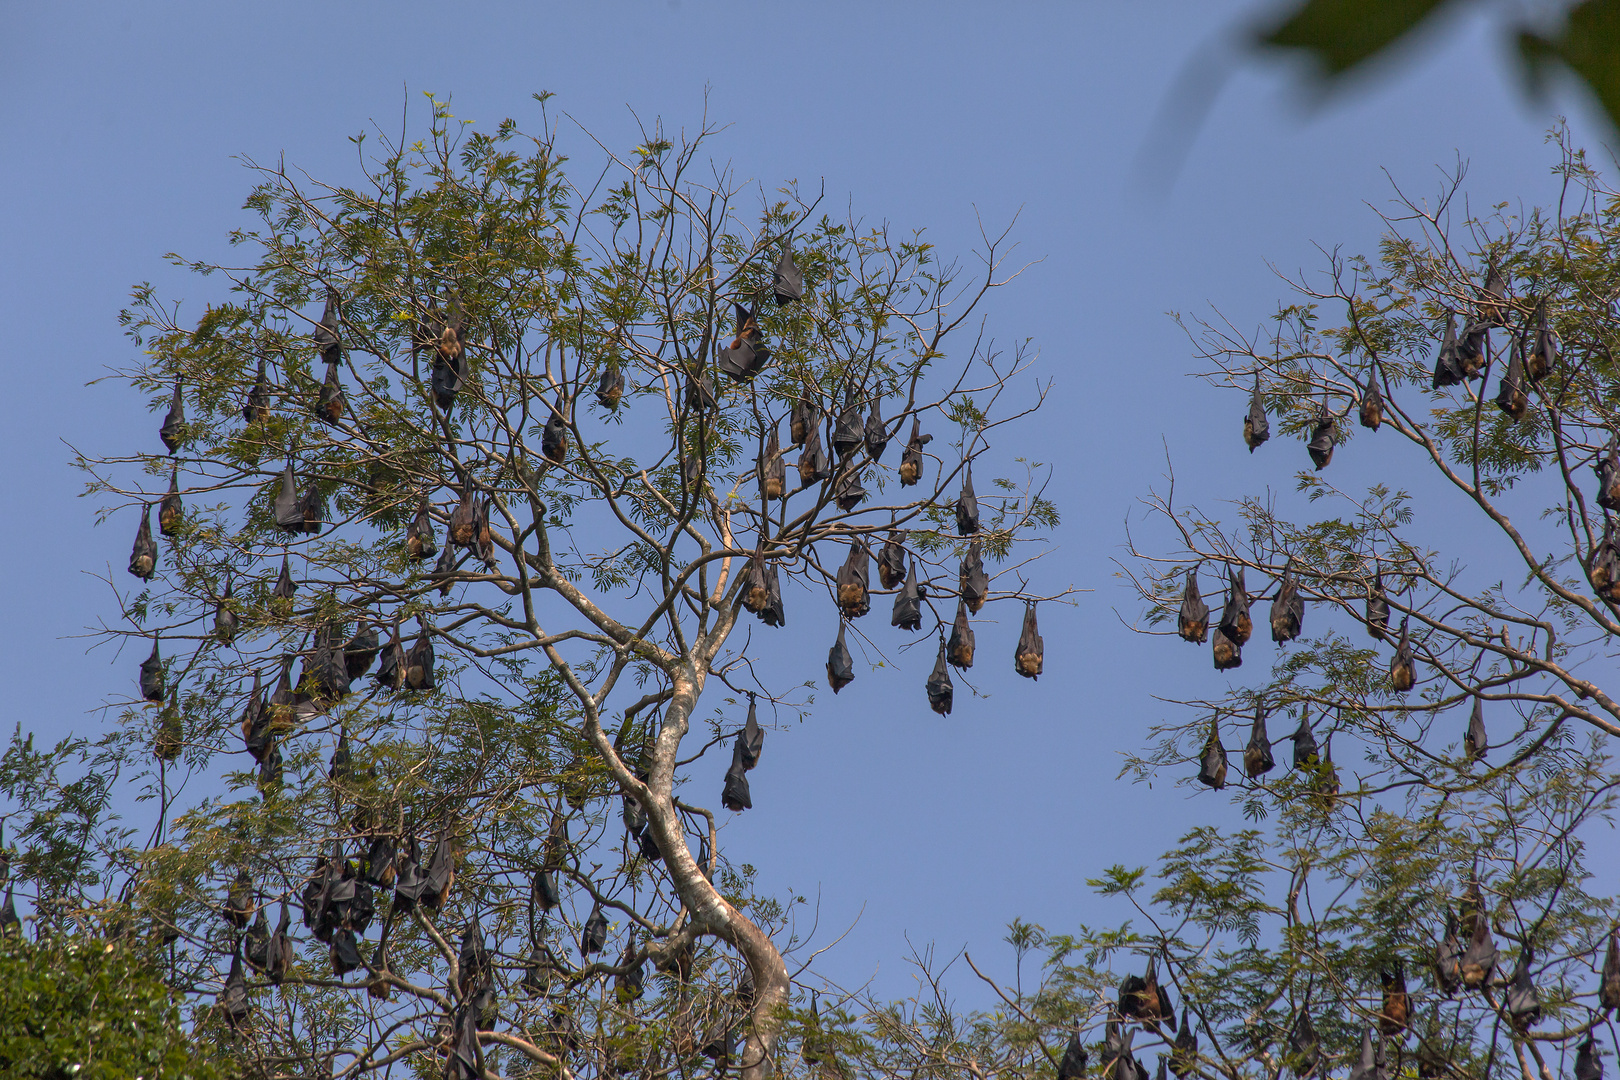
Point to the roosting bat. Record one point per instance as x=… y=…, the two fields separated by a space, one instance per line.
x=1256 y=426
x=940 y=690
x=973 y=582
x=967 y=506
x=786 y=281
x=1511 y=397
x=849 y=431
x=1212 y=765
x=225 y=618
x=1030 y=655
x=1257 y=758
x=1324 y=433
x=773 y=469
x=330 y=405
x=1236 y=623
x=1448 y=366
x=152 y=675
x=1192 y=621
x=840 y=666
x=143 y=556
x=257 y=403
x=1288 y=609
x=853 y=599
x=959 y=650
x=173 y=431
x=911 y=461
x=908 y=603
x=610 y=388
x=1402 y=667
x=1372 y=404
x=891 y=560
x=554 y=438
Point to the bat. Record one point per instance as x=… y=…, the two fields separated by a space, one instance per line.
x=1323 y=435
x=419 y=540
x=735 y=796
x=746 y=356
x=256 y=943
x=755 y=593
x=1372 y=405
x=170 y=509
x=233 y=996
x=774 y=614
x=877 y=434
x=773 y=469
x=345 y=952
x=394 y=664
x=1397 y=1010
x=1475 y=742
x=1184 y=1050
x=803 y=418
x=472 y=960
x=1228 y=654
x=143 y=556
x=1493 y=308
x=328 y=340
x=1073 y=1065
x=752 y=737
x=1448 y=365
x=554 y=439
x=485 y=546
x=445 y=569
x=330 y=405
x=1192 y=621
x=1511 y=397
x=173 y=431
x=1377 y=609
x=409 y=883
x=786 y=280
x=1523 y=1003
x=257 y=403
x=1588 y=1066
x=1402 y=668
x=1030 y=654
x=1544 y=349
x=1235 y=621
x=311 y=509
x=959 y=650
x=256 y=723
x=853 y=600
x=908 y=603
x=891 y=561
x=973 y=582
x=1479 y=956
x=419 y=673
x=1256 y=426
x=1212 y=765
x=1257 y=758
x=911 y=461
x=629 y=983
x=360 y=651
x=1448 y=958
x=848 y=492
x=1366 y=1066
x=464 y=519
x=593 y=936
x=940 y=690
x=610 y=389
x=1142 y=998
x=238 y=907
x=849 y=432
x=151 y=681
x=1609 y=981
x=379 y=869
x=225 y=618
x=813 y=463
x=1288 y=609
x=440 y=875
x=1608 y=473
x=967 y=506
x=170 y=739
x=287 y=511
x=284 y=588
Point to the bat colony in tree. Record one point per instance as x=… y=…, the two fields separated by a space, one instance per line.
x=474 y=479
x=1479 y=357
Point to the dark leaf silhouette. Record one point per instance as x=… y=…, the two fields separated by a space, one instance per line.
x=959 y=650
x=908 y=603
x=1030 y=654
x=973 y=581
x=1212 y=765
x=173 y=431
x=967 y=506
x=1256 y=425
x=911 y=459
x=786 y=281
x=143 y=556
x=940 y=690
x=853 y=600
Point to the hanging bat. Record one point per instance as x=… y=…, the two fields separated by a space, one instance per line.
x=940 y=690
x=1448 y=365
x=1493 y=306
x=1288 y=609
x=485 y=547
x=774 y=614
x=1192 y=622
x=610 y=389
x=786 y=281
x=233 y=997
x=911 y=460
x=554 y=439
x=773 y=469
x=284 y=587
x=1256 y=426
x=1306 y=754
x=594 y=934
x=173 y=431
x=1212 y=765
x=745 y=357
x=803 y=418
x=391 y=670
x=848 y=492
x=419 y=540
x=1073 y=1064
x=257 y=404
x=1226 y=651
x=225 y=618
x=877 y=434
x=1511 y=397
x=752 y=737
x=853 y=600
x=143 y=556
x=1402 y=667
x=628 y=984
x=328 y=340
x=1448 y=958
x=849 y=432
x=1366 y=1066
x=1184 y=1051
x=311 y=509
x=1588 y=1066
x=419 y=674
x=1479 y=957
x=472 y=960
x=959 y=649
x=409 y=883
x=342 y=763
x=152 y=675
x=1372 y=404
x=360 y=651
x=256 y=943
x=1236 y=623
x=1475 y=742
x=908 y=603
x=288 y=511
x=1323 y=435
x=330 y=405
x=464 y=519
x=445 y=569
x=967 y=506
x=891 y=561
x=1607 y=467
x=1523 y=1003
x=440 y=875
x=1544 y=348
x=1609 y=980
x=238 y=907
x=1142 y=998
x=973 y=582
x=755 y=594
x=1397 y=1009
x=1377 y=609
x=380 y=856
x=735 y=795
x=1257 y=758
x=444 y=379
x=813 y=463
x=1030 y=654
x=345 y=953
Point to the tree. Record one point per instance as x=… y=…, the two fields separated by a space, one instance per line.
x=1416 y=891
x=473 y=475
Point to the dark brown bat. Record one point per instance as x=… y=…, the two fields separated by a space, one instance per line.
x=238 y=907
x=360 y=651
x=420 y=543
x=1511 y=397
x=1476 y=338
x=813 y=463
x=877 y=433
x=967 y=506
x=394 y=665
x=445 y=569
x=173 y=431
x=959 y=650
x=10 y=924
x=1448 y=958
x=342 y=764
x=774 y=614
x=1475 y=741
x=331 y=404
x=409 y=882
x=1479 y=957
x=284 y=588
x=379 y=868
x=287 y=511
x=485 y=545
x=1256 y=426
x=256 y=722
x=1372 y=405
x=1608 y=474
x=1448 y=366
x=1073 y=1064
x=464 y=518
x=256 y=943
x=1236 y=623
x=554 y=439
x=1184 y=1051
x=152 y=675
x=143 y=556
x=226 y=621
x=746 y=356
x=1287 y=609
x=629 y=983
x=311 y=510
x=755 y=593
x=444 y=379
x=1212 y=764
x=1397 y=1010
x=1588 y=1065
x=940 y=690
x=170 y=739
x=1523 y=1003
x=610 y=389
x=849 y=431
x=233 y=997
x=786 y=280
x=853 y=599
x=440 y=875
x=328 y=335
x=1257 y=758
x=752 y=737
x=593 y=936
x=973 y=582
x=1402 y=667
x=1609 y=979
x=908 y=603
x=257 y=404
x=1366 y=1066
x=1324 y=434
x=419 y=673
x=472 y=960
x=735 y=795
x=1377 y=609
x=1192 y=621
x=803 y=418
x=848 y=492
x=773 y=469
x=345 y=952
x=1543 y=352
x=1493 y=306
x=911 y=459
x=1030 y=655
x=1228 y=654
x=891 y=561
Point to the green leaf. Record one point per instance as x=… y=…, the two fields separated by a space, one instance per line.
x=1341 y=34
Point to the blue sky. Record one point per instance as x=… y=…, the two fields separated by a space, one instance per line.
x=122 y=127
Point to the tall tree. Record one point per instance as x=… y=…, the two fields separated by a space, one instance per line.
x=475 y=472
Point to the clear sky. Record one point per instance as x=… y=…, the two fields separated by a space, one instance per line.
x=120 y=131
